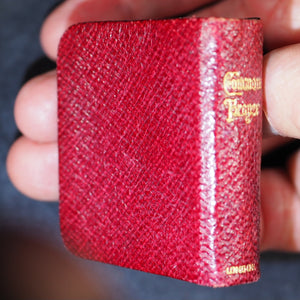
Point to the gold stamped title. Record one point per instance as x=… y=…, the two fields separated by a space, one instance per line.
x=235 y=86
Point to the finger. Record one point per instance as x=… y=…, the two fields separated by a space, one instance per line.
x=75 y=11
x=294 y=170
x=271 y=138
x=281 y=73
x=33 y=168
x=281 y=18
x=273 y=142
x=36 y=108
x=280 y=213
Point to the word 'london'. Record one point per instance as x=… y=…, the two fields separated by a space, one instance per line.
x=240 y=269
x=234 y=86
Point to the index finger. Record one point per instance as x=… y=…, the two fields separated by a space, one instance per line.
x=74 y=11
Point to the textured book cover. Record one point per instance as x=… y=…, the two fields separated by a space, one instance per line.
x=160 y=145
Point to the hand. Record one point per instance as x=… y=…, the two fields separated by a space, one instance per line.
x=33 y=160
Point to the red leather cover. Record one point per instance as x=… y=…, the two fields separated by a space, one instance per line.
x=160 y=145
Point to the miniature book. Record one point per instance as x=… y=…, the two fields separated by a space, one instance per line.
x=160 y=146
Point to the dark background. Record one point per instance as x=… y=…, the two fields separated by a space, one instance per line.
x=33 y=261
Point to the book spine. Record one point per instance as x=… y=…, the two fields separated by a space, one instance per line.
x=231 y=126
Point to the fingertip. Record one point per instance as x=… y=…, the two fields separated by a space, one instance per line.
x=33 y=169
x=36 y=108
x=54 y=26
x=49 y=39
x=281 y=70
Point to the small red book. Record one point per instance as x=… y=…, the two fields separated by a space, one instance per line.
x=160 y=146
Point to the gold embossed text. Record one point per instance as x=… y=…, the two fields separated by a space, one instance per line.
x=239 y=110
x=236 y=85
x=240 y=269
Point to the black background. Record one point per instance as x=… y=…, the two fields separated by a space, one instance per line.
x=34 y=263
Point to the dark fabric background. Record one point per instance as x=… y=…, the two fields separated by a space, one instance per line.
x=34 y=263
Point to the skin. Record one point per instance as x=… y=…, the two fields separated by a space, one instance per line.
x=32 y=162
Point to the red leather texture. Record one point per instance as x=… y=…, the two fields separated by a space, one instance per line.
x=160 y=145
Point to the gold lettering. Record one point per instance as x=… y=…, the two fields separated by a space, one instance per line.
x=235 y=85
x=240 y=269
x=240 y=110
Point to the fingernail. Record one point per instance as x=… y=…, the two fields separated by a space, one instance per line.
x=268 y=129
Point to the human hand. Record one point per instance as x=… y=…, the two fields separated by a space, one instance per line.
x=33 y=160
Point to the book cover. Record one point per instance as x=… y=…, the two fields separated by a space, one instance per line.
x=160 y=146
